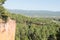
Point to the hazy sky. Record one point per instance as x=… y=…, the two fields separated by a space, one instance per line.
x=52 y=5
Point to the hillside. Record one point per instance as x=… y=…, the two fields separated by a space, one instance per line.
x=29 y=28
x=32 y=26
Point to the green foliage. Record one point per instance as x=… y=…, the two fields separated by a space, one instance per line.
x=32 y=28
x=3 y=12
x=35 y=28
x=2 y=1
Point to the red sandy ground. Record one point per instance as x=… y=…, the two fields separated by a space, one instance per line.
x=7 y=30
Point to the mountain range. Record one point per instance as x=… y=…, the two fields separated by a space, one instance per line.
x=36 y=13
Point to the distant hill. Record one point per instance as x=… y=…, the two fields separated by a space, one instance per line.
x=36 y=13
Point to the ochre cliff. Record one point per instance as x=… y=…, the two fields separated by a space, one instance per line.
x=7 y=30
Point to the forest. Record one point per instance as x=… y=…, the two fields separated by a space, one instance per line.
x=29 y=28
x=36 y=28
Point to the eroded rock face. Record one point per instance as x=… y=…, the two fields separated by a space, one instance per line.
x=7 y=30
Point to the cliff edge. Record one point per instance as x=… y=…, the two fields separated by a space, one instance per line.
x=7 y=30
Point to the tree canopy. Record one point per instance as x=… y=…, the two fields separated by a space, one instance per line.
x=2 y=1
x=3 y=13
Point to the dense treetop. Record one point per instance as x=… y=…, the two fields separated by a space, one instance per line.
x=29 y=28
x=2 y=1
x=3 y=11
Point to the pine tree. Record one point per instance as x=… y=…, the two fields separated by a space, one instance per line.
x=3 y=13
x=2 y=2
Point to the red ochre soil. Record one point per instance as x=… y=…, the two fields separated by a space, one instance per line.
x=7 y=30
